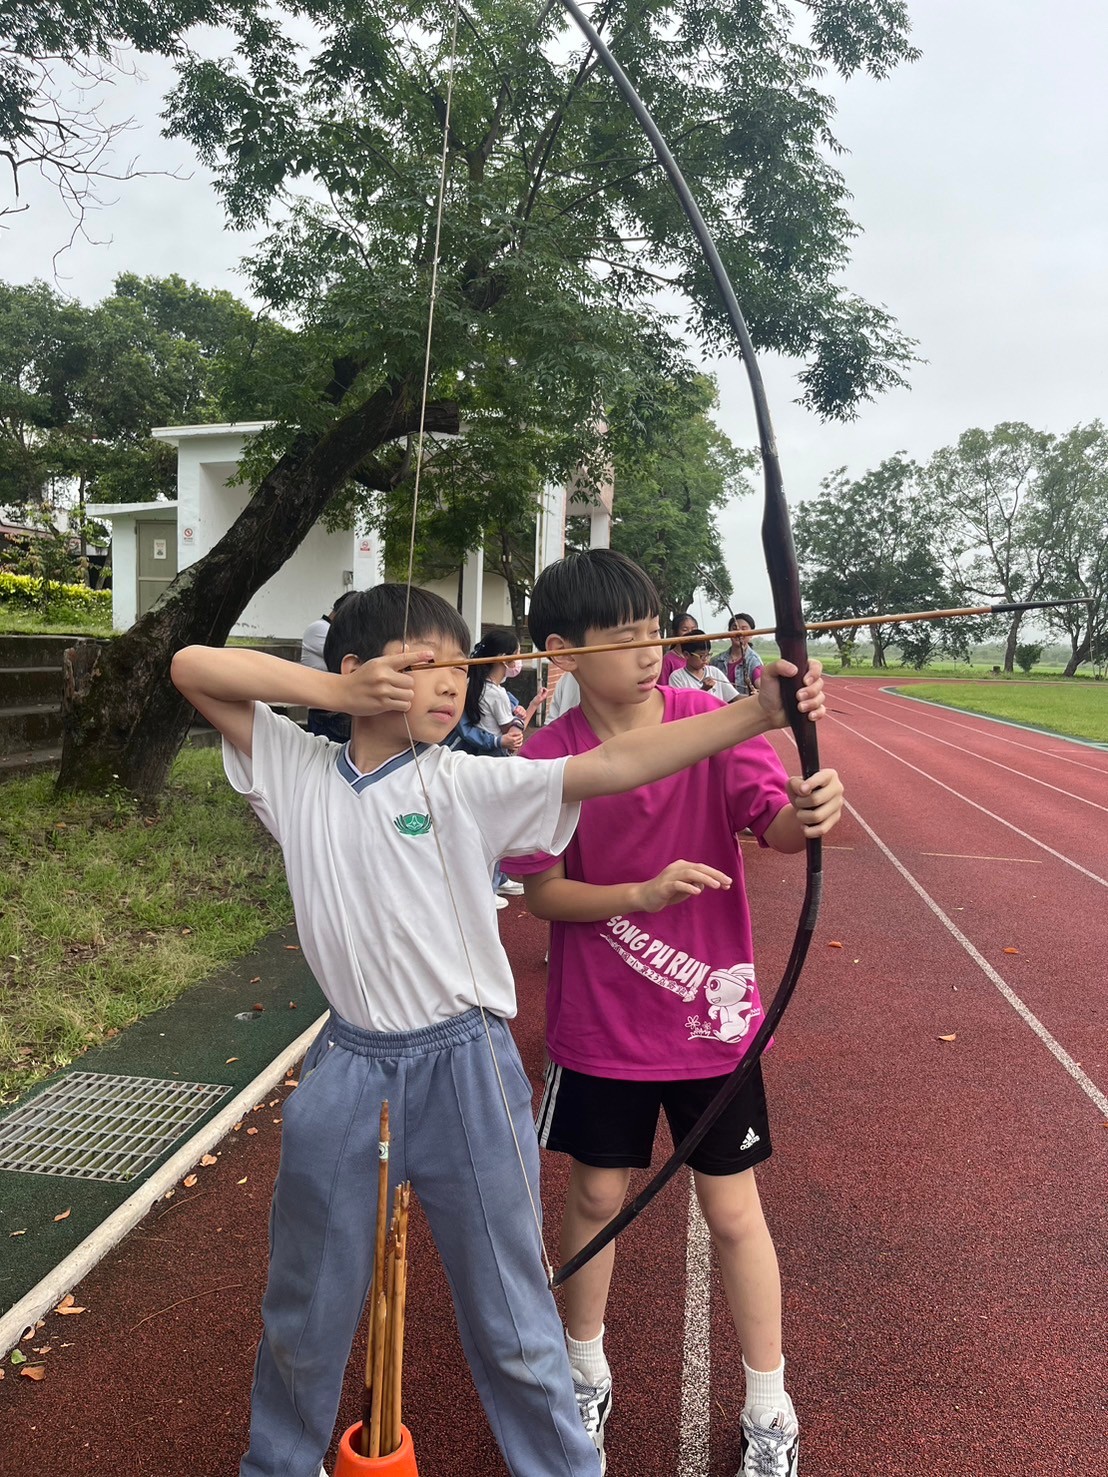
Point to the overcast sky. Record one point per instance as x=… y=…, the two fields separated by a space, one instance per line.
x=979 y=178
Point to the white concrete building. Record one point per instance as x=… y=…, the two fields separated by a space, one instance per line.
x=152 y=541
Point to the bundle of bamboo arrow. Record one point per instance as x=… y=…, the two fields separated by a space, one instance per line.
x=380 y=1435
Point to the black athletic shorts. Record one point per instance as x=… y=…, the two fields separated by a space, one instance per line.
x=611 y=1124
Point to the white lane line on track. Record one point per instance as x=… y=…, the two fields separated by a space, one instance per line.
x=939 y=711
x=1086 y=1084
x=696 y=1361
x=968 y=856
x=990 y=813
x=972 y=753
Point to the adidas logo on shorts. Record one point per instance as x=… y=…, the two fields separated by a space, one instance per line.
x=751 y=1139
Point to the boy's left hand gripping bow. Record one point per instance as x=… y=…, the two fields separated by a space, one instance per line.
x=784 y=576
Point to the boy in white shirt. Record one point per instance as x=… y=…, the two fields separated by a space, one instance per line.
x=418 y=1012
x=698 y=671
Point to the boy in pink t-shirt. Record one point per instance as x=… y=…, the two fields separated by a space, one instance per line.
x=649 y=1004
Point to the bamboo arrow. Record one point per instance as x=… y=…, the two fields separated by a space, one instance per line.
x=699 y=639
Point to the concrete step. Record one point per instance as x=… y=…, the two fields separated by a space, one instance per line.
x=35 y=651
x=20 y=685
x=30 y=726
x=28 y=761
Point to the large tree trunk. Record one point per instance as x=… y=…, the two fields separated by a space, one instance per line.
x=1012 y=643
x=124 y=721
x=1079 y=653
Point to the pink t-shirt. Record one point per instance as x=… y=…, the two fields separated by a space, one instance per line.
x=674 y=658
x=671 y=995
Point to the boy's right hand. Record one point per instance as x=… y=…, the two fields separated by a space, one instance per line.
x=679 y=881
x=512 y=741
x=382 y=685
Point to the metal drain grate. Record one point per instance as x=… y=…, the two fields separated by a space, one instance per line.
x=91 y=1126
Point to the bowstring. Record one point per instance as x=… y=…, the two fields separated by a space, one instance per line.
x=439 y=213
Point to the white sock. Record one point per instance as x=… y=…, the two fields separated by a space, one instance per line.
x=587 y=1358
x=765 y=1389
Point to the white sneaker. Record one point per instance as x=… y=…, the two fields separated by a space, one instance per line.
x=770 y=1443
x=510 y=888
x=501 y=902
x=595 y=1405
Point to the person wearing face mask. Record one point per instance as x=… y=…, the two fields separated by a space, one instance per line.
x=491 y=708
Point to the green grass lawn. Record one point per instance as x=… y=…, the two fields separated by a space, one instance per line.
x=107 y=913
x=1062 y=707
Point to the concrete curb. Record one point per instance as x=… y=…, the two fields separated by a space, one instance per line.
x=47 y=1293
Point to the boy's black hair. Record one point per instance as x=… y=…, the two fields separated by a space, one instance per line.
x=700 y=648
x=343 y=598
x=370 y=619
x=737 y=616
x=597 y=588
x=498 y=642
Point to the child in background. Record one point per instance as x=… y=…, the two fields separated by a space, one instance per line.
x=491 y=709
x=418 y=1011
x=743 y=664
x=652 y=996
x=674 y=656
x=488 y=702
x=697 y=671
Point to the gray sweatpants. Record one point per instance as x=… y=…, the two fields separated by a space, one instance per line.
x=450 y=1137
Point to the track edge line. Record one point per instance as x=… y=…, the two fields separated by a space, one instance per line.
x=50 y=1290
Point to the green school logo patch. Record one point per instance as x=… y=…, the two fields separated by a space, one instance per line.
x=413 y=824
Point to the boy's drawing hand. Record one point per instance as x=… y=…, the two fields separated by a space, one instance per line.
x=818 y=802
x=383 y=685
x=679 y=881
x=810 y=697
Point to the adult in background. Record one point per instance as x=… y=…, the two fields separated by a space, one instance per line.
x=674 y=658
x=743 y=664
x=335 y=726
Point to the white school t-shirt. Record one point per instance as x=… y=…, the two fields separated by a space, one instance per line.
x=497 y=708
x=722 y=689
x=375 y=916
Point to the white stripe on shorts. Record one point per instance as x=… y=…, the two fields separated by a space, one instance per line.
x=549 y=1102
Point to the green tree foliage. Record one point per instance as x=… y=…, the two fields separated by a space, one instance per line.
x=1027 y=654
x=1068 y=521
x=981 y=491
x=866 y=547
x=80 y=388
x=324 y=130
x=676 y=471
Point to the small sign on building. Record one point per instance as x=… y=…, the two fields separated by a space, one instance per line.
x=159 y=549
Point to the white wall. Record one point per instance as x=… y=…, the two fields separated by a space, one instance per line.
x=125 y=571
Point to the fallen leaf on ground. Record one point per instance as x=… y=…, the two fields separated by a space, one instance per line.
x=952 y=1037
x=276 y=1120
x=186 y=930
x=18 y=1357
x=295 y=947
x=256 y=980
x=18 y=1233
x=65 y=1214
x=251 y=1130
x=46 y=1349
x=257 y=1007
x=34 y=1371
x=229 y=1060
x=275 y=1101
x=188 y=1181
x=237 y=1126
x=834 y=944
x=292 y=1082
x=292 y=1004
x=1010 y=950
x=66 y=1305
x=208 y=1159
x=243 y=1180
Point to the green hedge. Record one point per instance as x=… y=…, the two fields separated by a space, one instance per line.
x=24 y=592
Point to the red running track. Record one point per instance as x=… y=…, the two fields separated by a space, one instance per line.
x=939 y=1207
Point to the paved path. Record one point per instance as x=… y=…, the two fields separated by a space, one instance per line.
x=938 y=1206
